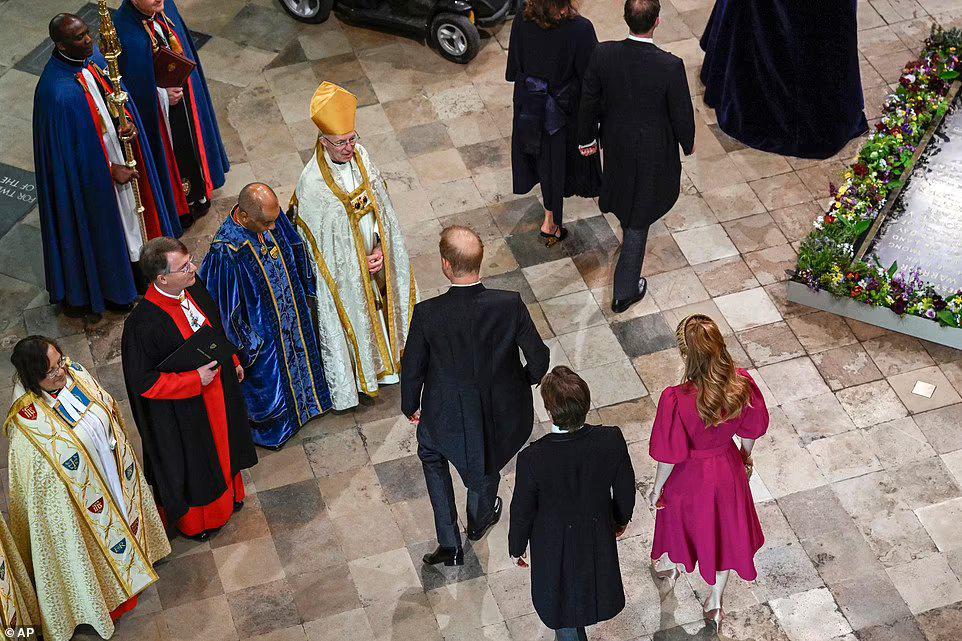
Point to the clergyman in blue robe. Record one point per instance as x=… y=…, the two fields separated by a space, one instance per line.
x=89 y=224
x=179 y=121
x=257 y=271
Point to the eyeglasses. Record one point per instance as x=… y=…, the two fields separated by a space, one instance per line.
x=57 y=368
x=353 y=140
x=186 y=269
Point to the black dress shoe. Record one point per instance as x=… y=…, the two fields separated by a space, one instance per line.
x=203 y=536
x=200 y=209
x=447 y=556
x=117 y=307
x=238 y=505
x=477 y=535
x=618 y=306
x=187 y=220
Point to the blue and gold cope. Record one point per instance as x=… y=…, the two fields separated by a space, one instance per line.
x=265 y=291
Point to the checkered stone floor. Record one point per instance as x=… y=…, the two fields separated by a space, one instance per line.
x=858 y=481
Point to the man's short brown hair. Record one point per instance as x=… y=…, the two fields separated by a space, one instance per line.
x=641 y=15
x=153 y=256
x=566 y=397
x=462 y=248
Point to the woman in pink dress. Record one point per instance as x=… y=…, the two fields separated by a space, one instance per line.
x=706 y=514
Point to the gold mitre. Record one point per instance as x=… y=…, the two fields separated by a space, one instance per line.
x=333 y=109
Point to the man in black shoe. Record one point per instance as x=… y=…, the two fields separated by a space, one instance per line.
x=463 y=384
x=639 y=96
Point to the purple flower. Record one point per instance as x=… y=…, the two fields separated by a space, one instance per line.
x=930 y=313
x=898 y=306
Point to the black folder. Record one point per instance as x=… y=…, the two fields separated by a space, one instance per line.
x=206 y=345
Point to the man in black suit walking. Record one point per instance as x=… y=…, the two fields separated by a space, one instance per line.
x=463 y=384
x=639 y=95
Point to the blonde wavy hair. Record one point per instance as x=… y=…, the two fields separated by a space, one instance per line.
x=722 y=392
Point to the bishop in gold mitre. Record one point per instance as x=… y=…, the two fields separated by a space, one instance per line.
x=365 y=289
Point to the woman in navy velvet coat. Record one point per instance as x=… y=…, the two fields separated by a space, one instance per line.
x=783 y=75
x=550 y=49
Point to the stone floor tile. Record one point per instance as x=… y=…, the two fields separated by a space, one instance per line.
x=208 y=618
x=712 y=173
x=635 y=418
x=953 y=463
x=942 y=624
x=444 y=165
x=725 y=276
x=407 y=617
x=842 y=555
x=733 y=202
x=941 y=521
x=236 y=569
x=925 y=482
x=783 y=571
x=262 y=609
x=464 y=606
x=869 y=600
x=572 y=312
x=905 y=386
x=904 y=629
x=783 y=464
x=844 y=455
x=188 y=579
x=942 y=428
x=793 y=380
x=926 y=583
x=779 y=296
x=815 y=512
x=613 y=383
x=662 y=255
x=401 y=479
x=821 y=331
x=383 y=578
x=810 y=616
x=781 y=191
x=644 y=335
x=753 y=233
x=871 y=403
x=389 y=439
x=324 y=593
x=529 y=628
x=845 y=366
x=351 y=529
x=554 y=278
x=676 y=288
x=335 y=453
x=275 y=469
x=755 y=164
x=770 y=344
x=747 y=309
x=352 y=624
x=304 y=536
x=898 y=442
x=772 y=264
x=592 y=347
x=897 y=354
x=795 y=221
x=689 y=212
x=704 y=244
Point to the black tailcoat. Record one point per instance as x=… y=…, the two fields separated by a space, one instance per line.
x=639 y=96
x=180 y=458
x=571 y=492
x=462 y=369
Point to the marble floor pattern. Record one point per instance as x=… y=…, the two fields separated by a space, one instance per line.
x=857 y=482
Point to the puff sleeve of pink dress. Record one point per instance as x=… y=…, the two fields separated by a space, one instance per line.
x=709 y=517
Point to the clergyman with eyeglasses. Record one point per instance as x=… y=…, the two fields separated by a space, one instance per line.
x=365 y=289
x=80 y=506
x=193 y=424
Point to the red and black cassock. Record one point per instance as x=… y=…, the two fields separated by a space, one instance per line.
x=196 y=438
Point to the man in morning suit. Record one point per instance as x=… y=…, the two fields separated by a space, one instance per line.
x=639 y=95
x=465 y=387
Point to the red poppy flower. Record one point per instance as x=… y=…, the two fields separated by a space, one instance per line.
x=829 y=219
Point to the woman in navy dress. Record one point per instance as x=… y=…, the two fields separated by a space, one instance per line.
x=783 y=75
x=550 y=48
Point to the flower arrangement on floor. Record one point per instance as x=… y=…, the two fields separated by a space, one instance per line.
x=825 y=260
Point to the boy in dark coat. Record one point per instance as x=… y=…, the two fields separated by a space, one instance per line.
x=574 y=494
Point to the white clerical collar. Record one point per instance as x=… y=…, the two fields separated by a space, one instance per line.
x=632 y=36
x=82 y=62
x=163 y=293
x=478 y=282
x=560 y=430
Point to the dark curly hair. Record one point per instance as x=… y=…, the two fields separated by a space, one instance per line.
x=29 y=358
x=548 y=14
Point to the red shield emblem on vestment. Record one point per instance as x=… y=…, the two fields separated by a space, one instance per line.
x=135 y=526
x=29 y=412
x=97 y=506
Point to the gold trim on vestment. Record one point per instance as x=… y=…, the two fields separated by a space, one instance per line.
x=355 y=216
x=11 y=601
x=338 y=304
x=122 y=575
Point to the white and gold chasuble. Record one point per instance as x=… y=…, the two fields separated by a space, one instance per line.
x=342 y=213
x=89 y=538
x=18 y=601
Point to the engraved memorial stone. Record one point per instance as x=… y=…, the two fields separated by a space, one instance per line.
x=18 y=195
